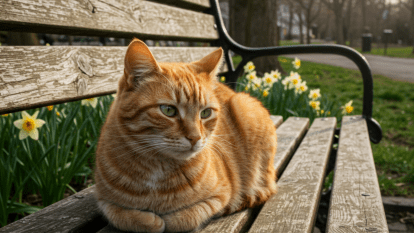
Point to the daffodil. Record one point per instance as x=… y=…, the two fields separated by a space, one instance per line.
x=347 y=108
x=296 y=63
x=251 y=76
x=315 y=94
x=275 y=75
x=28 y=125
x=301 y=87
x=315 y=104
x=91 y=101
x=222 y=79
x=50 y=107
x=268 y=80
x=249 y=67
x=265 y=93
x=295 y=79
x=5 y=115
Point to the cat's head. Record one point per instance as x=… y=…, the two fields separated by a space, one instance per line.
x=168 y=109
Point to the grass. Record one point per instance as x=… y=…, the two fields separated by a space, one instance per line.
x=402 y=52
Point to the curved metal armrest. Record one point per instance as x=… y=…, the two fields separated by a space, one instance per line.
x=247 y=53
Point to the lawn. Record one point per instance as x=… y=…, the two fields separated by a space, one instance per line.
x=402 y=52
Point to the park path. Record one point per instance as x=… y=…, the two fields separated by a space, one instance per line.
x=401 y=69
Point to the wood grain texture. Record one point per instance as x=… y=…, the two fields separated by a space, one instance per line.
x=36 y=76
x=277 y=120
x=289 y=135
x=356 y=204
x=294 y=207
x=196 y=5
x=110 y=18
x=77 y=213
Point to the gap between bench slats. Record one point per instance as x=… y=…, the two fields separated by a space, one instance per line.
x=128 y=18
x=77 y=213
x=356 y=204
x=34 y=76
x=196 y=5
x=294 y=207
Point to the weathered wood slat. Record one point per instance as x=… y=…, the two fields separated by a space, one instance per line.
x=356 y=204
x=77 y=213
x=289 y=135
x=196 y=5
x=36 y=76
x=294 y=207
x=109 y=18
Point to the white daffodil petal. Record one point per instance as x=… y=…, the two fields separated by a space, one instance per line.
x=39 y=123
x=94 y=102
x=18 y=123
x=23 y=134
x=25 y=115
x=84 y=102
x=34 y=134
x=35 y=114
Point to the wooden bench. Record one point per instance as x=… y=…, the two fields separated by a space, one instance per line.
x=32 y=77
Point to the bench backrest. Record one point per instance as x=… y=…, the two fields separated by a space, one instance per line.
x=36 y=76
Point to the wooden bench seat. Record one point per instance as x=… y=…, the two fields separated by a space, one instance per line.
x=301 y=162
x=38 y=76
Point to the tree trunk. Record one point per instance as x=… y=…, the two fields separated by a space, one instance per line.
x=339 y=27
x=301 y=41
x=412 y=23
x=238 y=14
x=264 y=32
x=308 y=26
x=291 y=14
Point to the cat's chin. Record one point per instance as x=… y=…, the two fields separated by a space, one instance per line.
x=183 y=155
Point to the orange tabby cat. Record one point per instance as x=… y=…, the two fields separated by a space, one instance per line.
x=179 y=147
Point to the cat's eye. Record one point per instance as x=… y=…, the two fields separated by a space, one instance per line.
x=205 y=113
x=168 y=110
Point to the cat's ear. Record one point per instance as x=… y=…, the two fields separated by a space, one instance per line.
x=210 y=64
x=139 y=63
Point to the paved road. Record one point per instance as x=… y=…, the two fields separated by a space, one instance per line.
x=401 y=69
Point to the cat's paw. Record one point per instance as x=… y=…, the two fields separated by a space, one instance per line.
x=177 y=223
x=156 y=224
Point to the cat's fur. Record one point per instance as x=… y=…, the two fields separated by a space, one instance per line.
x=155 y=172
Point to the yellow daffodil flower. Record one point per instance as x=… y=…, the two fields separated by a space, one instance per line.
x=315 y=104
x=315 y=94
x=251 y=76
x=296 y=63
x=275 y=75
x=50 y=107
x=265 y=93
x=222 y=79
x=249 y=67
x=91 y=101
x=28 y=125
x=5 y=115
x=347 y=108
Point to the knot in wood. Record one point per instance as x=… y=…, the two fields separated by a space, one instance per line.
x=82 y=84
x=83 y=63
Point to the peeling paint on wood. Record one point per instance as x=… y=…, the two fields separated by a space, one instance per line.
x=71 y=214
x=356 y=204
x=33 y=76
x=294 y=207
x=110 y=18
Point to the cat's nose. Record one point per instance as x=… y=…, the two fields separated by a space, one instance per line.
x=193 y=139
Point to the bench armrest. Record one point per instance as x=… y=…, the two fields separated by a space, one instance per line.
x=248 y=53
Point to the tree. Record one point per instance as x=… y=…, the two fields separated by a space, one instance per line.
x=337 y=7
x=260 y=29
x=311 y=13
x=409 y=4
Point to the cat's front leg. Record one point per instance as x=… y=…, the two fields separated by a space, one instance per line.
x=131 y=219
x=190 y=218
